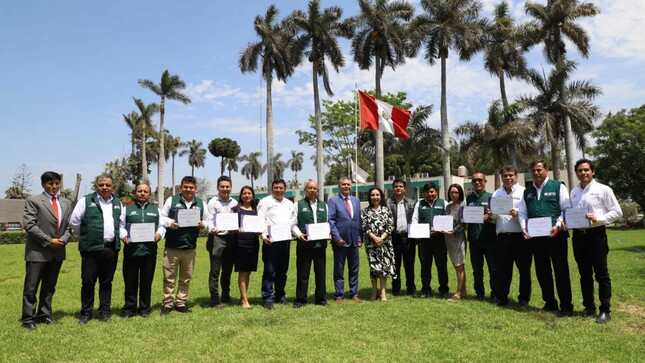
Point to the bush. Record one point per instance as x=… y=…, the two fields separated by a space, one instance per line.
x=13 y=238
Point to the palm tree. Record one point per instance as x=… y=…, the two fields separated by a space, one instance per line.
x=553 y=24
x=196 y=155
x=145 y=124
x=447 y=24
x=295 y=163
x=169 y=87
x=273 y=51
x=132 y=120
x=319 y=33
x=231 y=164
x=173 y=145
x=381 y=34
x=547 y=108
x=500 y=135
x=422 y=136
x=253 y=169
x=278 y=166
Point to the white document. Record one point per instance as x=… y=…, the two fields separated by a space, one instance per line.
x=279 y=232
x=501 y=205
x=419 y=230
x=226 y=222
x=539 y=227
x=318 y=231
x=576 y=217
x=141 y=232
x=474 y=214
x=442 y=223
x=252 y=224
x=188 y=217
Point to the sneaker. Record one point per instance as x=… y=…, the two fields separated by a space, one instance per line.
x=603 y=318
x=183 y=309
x=165 y=310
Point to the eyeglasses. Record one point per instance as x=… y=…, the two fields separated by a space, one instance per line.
x=477 y=180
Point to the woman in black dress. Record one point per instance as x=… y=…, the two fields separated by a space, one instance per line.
x=246 y=251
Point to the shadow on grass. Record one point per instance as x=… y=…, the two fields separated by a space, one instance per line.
x=639 y=249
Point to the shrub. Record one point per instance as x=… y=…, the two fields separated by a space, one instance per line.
x=13 y=238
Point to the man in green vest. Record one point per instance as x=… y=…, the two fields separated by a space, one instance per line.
x=97 y=218
x=140 y=252
x=181 y=241
x=548 y=198
x=310 y=211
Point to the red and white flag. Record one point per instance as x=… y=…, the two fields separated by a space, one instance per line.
x=378 y=115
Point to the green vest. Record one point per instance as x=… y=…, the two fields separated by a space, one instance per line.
x=305 y=216
x=135 y=213
x=480 y=232
x=183 y=238
x=427 y=211
x=549 y=203
x=91 y=238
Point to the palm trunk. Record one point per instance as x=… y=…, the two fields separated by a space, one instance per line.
x=161 y=163
x=222 y=167
x=269 y=134
x=445 y=133
x=320 y=167
x=144 y=159
x=380 y=167
x=568 y=133
x=555 y=158
x=173 y=175
x=502 y=90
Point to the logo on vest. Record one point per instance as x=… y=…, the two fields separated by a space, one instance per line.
x=133 y=213
x=151 y=214
x=549 y=194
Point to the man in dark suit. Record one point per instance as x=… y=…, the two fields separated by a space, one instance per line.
x=345 y=223
x=45 y=219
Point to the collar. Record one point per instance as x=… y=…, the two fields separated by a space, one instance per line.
x=98 y=196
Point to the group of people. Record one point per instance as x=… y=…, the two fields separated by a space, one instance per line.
x=103 y=223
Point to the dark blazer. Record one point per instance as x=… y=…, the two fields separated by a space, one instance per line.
x=408 y=206
x=40 y=224
x=343 y=226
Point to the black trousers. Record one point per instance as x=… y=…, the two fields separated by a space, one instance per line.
x=304 y=258
x=512 y=248
x=434 y=247
x=138 y=273
x=44 y=274
x=590 y=250
x=404 y=251
x=221 y=267
x=97 y=265
x=553 y=253
x=274 y=276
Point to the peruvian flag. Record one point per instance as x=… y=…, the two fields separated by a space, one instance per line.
x=378 y=115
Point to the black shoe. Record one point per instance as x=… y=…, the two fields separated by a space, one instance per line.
x=126 y=314
x=165 y=310
x=501 y=302
x=550 y=307
x=603 y=318
x=396 y=293
x=29 y=326
x=411 y=292
x=443 y=295
x=523 y=303
x=283 y=301
x=480 y=297
x=494 y=300
x=144 y=314
x=217 y=306
x=589 y=312
x=322 y=303
x=268 y=305
x=183 y=309
x=105 y=317
x=427 y=293
x=565 y=313
x=84 y=319
x=298 y=305
x=226 y=299
x=47 y=321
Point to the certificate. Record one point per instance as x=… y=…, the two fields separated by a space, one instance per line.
x=419 y=230
x=318 y=231
x=188 y=217
x=226 y=222
x=576 y=218
x=474 y=214
x=279 y=232
x=252 y=224
x=501 y=205
x=539 y=227
x=442 y=223
x=141 y=232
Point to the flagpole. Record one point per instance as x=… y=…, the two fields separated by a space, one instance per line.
x=356 y=138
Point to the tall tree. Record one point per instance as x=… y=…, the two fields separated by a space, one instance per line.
x=295 y=163
x=319 y=32
x=273 y=51
x=380 y=39
x=20 y=184
x=132 y=120
x=552 y=24
x=168 y=88
x=196 y=155
x=231 y=164
x=173 y=145
x=253 y=169
x=278 y=166
x=225 y=148
x=145 y=126
x=447 y=24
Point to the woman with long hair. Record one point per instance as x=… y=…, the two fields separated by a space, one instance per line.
x=247 y=246
x=456 y=240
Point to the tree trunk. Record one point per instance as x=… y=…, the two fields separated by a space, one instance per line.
x=555 y=156
x=379 y=178
x=269 y=134
x=320 y=165
x=161 y=162
x=502 y=90
x=173 y=175
x=77 y=187
x=445 y=132
x=568 y=133
x=144 y=158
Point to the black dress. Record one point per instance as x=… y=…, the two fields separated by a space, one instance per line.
x=247 y=246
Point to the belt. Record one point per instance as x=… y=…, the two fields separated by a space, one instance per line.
x=508 y=233
x=590 y=231
x=402 y=234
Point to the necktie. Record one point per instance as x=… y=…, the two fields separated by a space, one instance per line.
x=55 y=208
x=349 y=206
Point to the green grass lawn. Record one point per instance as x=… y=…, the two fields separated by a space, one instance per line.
x=401 y=329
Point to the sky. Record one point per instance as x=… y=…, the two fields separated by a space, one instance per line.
x=69 y=71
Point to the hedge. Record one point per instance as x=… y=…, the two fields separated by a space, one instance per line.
x=19 y=237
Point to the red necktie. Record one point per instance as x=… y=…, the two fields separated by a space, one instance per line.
x=349 y=206
x=55 y=208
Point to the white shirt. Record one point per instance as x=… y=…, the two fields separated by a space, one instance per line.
x=600 y=200
x=505 y=223
x=565 y=203
x=274 y=212
x=415 y=215
x=108 y=221
x=401 y=216
x=59 y=211
x=216 y=206
x=314 y=208
x=162 y=223
x=167 y=205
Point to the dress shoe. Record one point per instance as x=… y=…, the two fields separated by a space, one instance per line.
x=589 y=312
x=480 y=297
x=269 y=305
x=105 y=317
x=396 y=293
x=126 y=314
x=523 y=303
x=47 y=321
x=411 y=292
x=283 y=301
x=226 y=299
x=550 y=307
x=84 y=319
x=565 y=313
x=183 y=309
x=165 y=310
x=603 y=318
x=217 y=306
x=298 y=305
x=322 y=303
x=357 y=299
x=338 y=300
x=443 y=295
x=144 y=314
x=427 y=294
x=29 y=326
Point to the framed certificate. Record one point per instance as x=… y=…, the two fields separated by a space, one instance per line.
x=473 y=214
x=539 y=227
x=501 y=205
x=419 y=230
x=280 y=232
x=141 y=232
x=576 y=218
x=226 y=222
x=252 y=224
x=318 y=231
x=188 y=217
x=442 y=223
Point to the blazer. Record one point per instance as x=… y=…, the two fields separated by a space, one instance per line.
x=343 y=226
x=40 y=224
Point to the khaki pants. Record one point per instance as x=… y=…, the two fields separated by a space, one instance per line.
x=177 y=263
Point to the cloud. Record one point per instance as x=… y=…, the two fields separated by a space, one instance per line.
x=617 y=32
